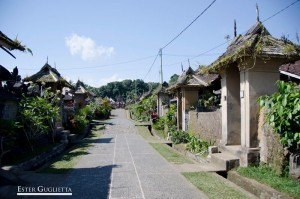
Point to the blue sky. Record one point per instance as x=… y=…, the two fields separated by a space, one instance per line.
x=91 y=34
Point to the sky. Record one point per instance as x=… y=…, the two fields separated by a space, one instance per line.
x=100 y=41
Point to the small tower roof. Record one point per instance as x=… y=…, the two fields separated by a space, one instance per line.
x=256 y=42
x=47 y=74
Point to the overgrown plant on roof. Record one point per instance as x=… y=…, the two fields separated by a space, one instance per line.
x=283 y=113
x=256 y=43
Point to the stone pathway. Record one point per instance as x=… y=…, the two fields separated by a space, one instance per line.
x=126 y=166
x=120 y=164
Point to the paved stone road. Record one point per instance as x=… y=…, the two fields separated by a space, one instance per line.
x=123 y=165
x=120 y=164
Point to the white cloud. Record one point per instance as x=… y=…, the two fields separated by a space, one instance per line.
x=87 y=48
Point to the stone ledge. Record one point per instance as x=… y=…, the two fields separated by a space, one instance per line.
x=181 y=149
x=256 y=188
x=39 y=160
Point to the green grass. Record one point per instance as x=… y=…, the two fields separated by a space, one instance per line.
x=70 y=158
x=145 y=133
x=169 y=154
x=161 y=133
x=212 y=186
x=266 y=176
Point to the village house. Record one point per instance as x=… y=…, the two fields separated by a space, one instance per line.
x=163 y=98
x=82 y=96
x=49 y=77
x=290 y=72
x=187 y=90
x=10 y=93
x=249 y=69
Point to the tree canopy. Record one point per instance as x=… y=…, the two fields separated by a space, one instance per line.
x=125 y=90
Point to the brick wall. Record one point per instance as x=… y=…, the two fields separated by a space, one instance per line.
x=206 y=125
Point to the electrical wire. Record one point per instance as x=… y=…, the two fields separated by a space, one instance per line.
x=151 y=66
x=189 y=24
x=101 y=66
x=283 y=9
x=221 y=44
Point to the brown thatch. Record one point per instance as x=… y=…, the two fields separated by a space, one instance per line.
x=80 y=88
x=190 y=78
x=257 y=42
x=47 y=74
x=10 y=44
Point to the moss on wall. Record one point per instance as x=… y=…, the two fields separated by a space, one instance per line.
x=272 y=151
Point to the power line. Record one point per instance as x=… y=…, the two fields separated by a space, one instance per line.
x=189 y=24
x=201 y=54
x=178 y=55
x=151 y=65
x=221 y=44
x=101 y=66
x=283 y=9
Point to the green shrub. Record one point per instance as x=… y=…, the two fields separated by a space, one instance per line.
x=208 y=100
x=159 y=124
x=8 y=128
x=180 y=137
x=88 y=112
x=79 y=123
x=283 y=113
x=38 y=115
x=142 y=110
x=196 y=145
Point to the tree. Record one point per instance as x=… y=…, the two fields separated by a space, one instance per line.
x=173 y=79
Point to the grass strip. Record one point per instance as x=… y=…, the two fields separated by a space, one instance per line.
x=212 y=186
x=70 y=158
x=169 y=154
x=265 y=175
x=145 y=133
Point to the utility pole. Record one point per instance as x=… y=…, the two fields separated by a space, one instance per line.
x=161 y=70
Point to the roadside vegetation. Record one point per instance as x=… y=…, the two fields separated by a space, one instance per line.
x=34 y=130
x=283 y=113
x=166 y=126
x=68 y=160
x=213 y=186
x=169 y=154
x=266 y=175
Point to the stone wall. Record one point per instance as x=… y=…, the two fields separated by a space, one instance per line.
x=206 y=125
x=41 y=159
x=271 y=150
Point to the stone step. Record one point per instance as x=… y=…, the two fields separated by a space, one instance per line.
x=225 y=160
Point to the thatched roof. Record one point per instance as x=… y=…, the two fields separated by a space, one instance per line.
x=80 y=88
x=8 y=44
x=292 y=68
x=257 y=42
x=5 y=75
x=47 y=74
x=190 y=78
x=162 y=88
